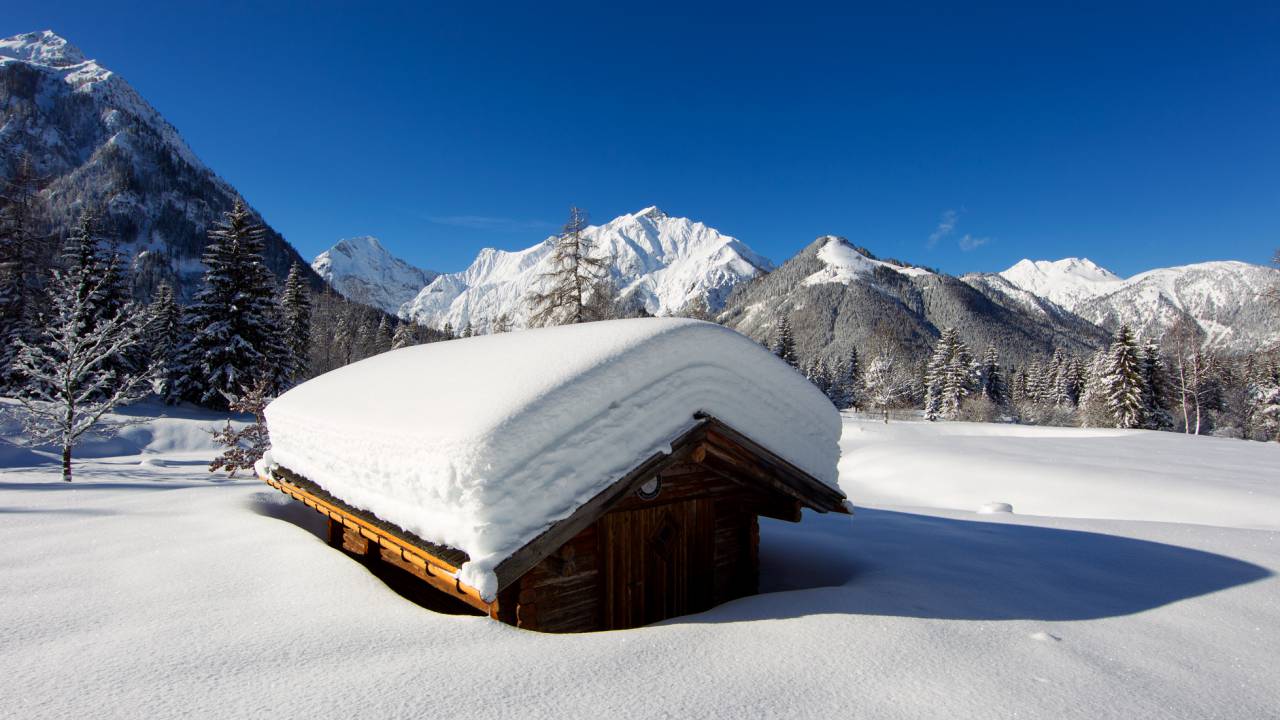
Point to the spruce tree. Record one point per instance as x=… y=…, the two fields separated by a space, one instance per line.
x=295 y=315
x=1156 y=386
x=784 y=344
x=163 y=338
x=233 y=322
x=1122 y=382
x=991 y=377
x=27 y=251
x=467 y=330
x=950 y=376
x=404 y=336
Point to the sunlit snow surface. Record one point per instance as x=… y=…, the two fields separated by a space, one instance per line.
x=148 y=588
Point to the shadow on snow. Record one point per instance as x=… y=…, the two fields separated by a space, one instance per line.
x=906 y=565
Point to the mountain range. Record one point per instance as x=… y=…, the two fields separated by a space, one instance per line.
x=95 y=143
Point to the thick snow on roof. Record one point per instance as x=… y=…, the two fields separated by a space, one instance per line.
x=481 y=443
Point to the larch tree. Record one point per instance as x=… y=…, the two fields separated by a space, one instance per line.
x=574 y=274
x=71 y=375
x=233 y=323
x=295 y=316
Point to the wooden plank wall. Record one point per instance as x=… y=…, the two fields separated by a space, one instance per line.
x=689 y=549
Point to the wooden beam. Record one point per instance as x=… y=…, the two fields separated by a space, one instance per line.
x=435 y=571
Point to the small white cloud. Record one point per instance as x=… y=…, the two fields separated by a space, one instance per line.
x=946 y=226
x=969 y=242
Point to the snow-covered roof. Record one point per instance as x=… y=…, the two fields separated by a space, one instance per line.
x=482 y=443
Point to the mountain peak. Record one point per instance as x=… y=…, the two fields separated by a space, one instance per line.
x=363 y=270
x=41 y=48
x=652 y=212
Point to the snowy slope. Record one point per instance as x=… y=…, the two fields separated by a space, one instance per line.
x=1222 y=299
x=363 y=271
x=845 y=264
x=1064 y=282
x=898 y=612
x=481 y=443
x=95 y=142
x=662 y=263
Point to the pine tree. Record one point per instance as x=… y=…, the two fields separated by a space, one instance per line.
x=1122 y=382
x=447 y=330
x=295 y=316
x=163 y=338
x=784 y=344
x=233 y=323
x=467 y=330
x=991 y=377
x=69 y=385
x=574 y=275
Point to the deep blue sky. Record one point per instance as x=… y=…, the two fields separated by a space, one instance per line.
x=1138 y=137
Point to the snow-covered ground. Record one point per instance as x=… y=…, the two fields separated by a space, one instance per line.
x=148 y=588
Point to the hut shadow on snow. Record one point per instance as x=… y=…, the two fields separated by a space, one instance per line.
x=278 y=507
x=906 y=565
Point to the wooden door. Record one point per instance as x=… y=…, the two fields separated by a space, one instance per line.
x=657 y=562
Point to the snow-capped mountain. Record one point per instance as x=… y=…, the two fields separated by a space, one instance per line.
x=362 y=270
x=97 y=144
x=1064 y=282
x=1221 y=299
x=838 y=296
x=659 y=263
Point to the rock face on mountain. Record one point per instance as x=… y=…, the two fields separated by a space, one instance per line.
x=838 y=296
x=362 y=270
x=1223 y=300
x=95 y=143
x=660 y=264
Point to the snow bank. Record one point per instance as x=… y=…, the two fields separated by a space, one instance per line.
x=483 y=442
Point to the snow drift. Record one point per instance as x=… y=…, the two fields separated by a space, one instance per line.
x=481 y=443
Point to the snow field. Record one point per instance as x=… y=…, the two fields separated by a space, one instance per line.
x=158 y=590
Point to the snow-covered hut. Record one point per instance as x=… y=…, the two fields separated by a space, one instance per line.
x=584 y=477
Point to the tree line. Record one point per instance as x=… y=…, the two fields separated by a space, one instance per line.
x=1179 y=384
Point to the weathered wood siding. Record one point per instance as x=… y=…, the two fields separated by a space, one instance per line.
x=690 y=548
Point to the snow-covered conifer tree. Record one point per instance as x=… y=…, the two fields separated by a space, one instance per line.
x=500 y=324
x=950 y=376
x=1155 y=385
x=26 y=253
x=404 y=336
x=69 y=385
x=163 y=337
x=468 y=330
x=992 y=378
x=568 y=286
x=244 y=447
x=1122 y=381
x=784 y=344
x=447 y=330
x=233 y=324
x=295 y=316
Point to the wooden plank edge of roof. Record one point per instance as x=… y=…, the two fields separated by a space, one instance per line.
x=413 y=554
